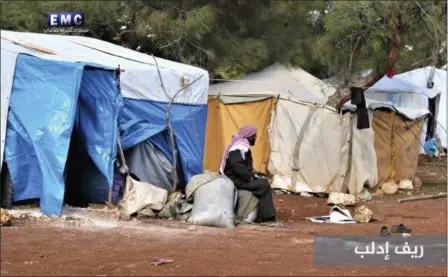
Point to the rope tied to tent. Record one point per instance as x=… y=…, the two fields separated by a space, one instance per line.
x=168 y=119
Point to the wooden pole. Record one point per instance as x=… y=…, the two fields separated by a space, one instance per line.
x=440 y=195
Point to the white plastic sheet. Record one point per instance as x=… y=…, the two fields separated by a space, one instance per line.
x=408 y=92
x=8 y=60
x=140 y=79
x=320 y=158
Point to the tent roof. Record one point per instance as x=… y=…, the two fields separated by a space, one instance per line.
x=278 y=79
x=140 y=77
x=413 y=81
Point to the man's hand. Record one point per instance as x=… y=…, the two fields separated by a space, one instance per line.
x=258 y=174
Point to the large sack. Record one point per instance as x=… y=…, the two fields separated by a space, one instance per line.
x=214 y=204
x=199 y=180
x=139 y=195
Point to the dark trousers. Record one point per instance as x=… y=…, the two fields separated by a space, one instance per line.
x=261 y=189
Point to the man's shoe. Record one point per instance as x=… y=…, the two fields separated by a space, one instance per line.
x=384 y=232
x=401 y=229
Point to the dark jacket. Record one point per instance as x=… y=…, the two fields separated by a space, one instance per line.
x=239 y=170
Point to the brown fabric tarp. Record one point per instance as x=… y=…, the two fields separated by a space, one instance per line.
x=397 y=146
x=225 y=120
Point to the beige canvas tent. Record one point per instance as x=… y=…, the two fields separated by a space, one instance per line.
x=306 y=146
x=397 y=146
x=400 y=106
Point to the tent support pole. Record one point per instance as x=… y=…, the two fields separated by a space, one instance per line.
x=168 y=120
x=120 y=149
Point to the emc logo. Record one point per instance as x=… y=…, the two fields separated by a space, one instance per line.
x=65 y=19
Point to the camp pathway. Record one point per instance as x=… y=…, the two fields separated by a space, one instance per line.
x=42 y=248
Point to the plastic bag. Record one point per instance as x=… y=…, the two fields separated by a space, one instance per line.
x=214 y=204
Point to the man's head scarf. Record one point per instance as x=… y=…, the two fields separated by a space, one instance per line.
x=239 y=140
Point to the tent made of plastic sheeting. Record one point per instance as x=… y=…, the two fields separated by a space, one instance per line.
x=140 y=77
x=278 y=79
x=396 y=139
x=296 y=142
x=397 y=146
x=408 y=93
x=48 y=100
x=315 y=149
x=145 y=97
x=223 y=120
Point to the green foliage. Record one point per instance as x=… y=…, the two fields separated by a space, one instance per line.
x=367 y=27
x=233 y=38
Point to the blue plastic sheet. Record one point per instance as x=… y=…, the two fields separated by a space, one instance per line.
x=97 y=125
x=430 y=147
x=46 y=99
x=40 y=121
x=142 y=120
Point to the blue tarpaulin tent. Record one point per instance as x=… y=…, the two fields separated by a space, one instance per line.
x=83 y=100
x=48 y=98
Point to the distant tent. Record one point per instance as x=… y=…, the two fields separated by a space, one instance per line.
x=296 y=139
x=278 y=78
x=399 y=107
x=141 y=121
x=409 y=94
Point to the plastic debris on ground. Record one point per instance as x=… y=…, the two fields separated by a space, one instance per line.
x=365 y=195
x=162 y=261
x=363 y=214
x=337 y=215
x=339 y=198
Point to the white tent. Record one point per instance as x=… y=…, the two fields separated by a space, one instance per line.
x=279 y=79
x=409 y=94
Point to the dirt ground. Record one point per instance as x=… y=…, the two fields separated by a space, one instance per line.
x=44 y=248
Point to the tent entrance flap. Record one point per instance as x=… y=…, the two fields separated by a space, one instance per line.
x=40 y=121
x=47 y=99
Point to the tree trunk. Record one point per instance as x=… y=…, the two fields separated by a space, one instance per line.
x=341 y=96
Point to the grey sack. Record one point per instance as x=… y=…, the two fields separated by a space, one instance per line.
x=214 y=204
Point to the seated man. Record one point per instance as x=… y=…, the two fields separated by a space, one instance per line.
x=237 y=165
